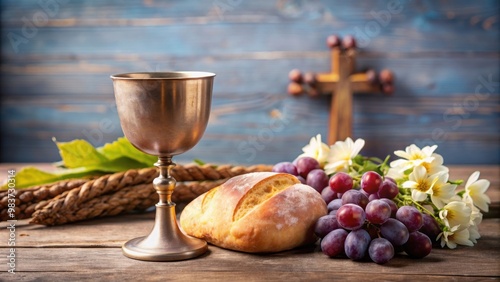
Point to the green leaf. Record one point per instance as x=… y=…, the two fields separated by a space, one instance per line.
x=31 y=176
x=123 y=148
x=359 y=159
x=199 y=162
x=370 y=166
x=116 y=165
x=79 y=153
x=80 y=159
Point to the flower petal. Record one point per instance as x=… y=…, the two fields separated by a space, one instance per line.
x=410 y=184
x=419 y=172
x=480 y=186
x=429 y=150
x=418 y=196
x=472 y=179
x=358 y=145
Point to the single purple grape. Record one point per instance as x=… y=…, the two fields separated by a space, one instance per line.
x=301 y=179
x=373 y=197
x=333 y=243
x=328 y=195
x=351 y=216
x=394 y=231
x=410 y=217
x=354 y=197
x=394 y=207
x=381 y=250
x=317 y=179
x=285 y=167
x=341 y=182
x=430 y=227
x=390 y=179
x=388 y=189
x=335 y=204
x=325 y=225
x=418 y=245
x=370 y=182
x=305 y=165
x=377 y=212
x=356 y=244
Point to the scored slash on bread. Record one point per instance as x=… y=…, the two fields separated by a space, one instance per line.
x=256 y=212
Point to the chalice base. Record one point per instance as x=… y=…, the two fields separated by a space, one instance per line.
x=166 y=242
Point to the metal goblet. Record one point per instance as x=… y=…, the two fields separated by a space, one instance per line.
x=164 y=114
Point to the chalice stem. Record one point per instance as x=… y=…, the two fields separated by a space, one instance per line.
x=164 y=183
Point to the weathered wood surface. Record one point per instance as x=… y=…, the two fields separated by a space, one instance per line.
x=90 y=250
x=444 y=55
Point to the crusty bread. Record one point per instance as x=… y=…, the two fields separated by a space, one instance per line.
x=255 y=212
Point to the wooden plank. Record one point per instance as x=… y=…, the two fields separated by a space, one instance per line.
x=460 y=9
x=98 y=42
x=99 y=233
x=415 y=77
x=219 y=263
x=279 y=276
x=478 y=261
x=419 y=26
x=236 y=121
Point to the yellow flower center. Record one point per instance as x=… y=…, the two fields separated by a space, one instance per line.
x=450 y=215
x=417 y=156
x=427 y=166
x=422 y=186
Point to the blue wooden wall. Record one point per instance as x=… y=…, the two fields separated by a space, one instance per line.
x=57 y=55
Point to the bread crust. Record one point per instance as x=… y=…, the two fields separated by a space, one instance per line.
x=256 y=212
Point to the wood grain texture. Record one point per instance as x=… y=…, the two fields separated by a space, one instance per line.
x=444 y=55
x=90 y=250
x=98 y=254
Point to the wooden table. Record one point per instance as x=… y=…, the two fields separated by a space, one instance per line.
x=90 y=250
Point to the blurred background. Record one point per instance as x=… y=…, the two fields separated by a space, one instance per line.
x=57 y=56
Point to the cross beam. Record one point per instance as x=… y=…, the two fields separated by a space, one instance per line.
x=341 y=82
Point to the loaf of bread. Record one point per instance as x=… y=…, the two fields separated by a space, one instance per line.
x=257 y=212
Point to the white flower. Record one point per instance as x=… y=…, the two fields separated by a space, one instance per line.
x=317 y=150
x=341 y=155
x=413 y=156
x=474 y=234
x=419 y=183
x=456 y=214
x=454 y=236
x=476 y=189
x=442 y=192
x=475 y=216
x=436 y=165
x=395 y=173
x=475 y=219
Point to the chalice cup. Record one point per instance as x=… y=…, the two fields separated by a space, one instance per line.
x=164 y=114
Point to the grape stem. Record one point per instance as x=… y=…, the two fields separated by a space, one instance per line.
x=408 y=201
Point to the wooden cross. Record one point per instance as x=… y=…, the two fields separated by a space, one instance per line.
x=342 y=82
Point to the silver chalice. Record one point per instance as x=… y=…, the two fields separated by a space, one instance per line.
x=164 y=114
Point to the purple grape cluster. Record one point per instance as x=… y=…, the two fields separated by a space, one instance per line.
x=366 y=222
